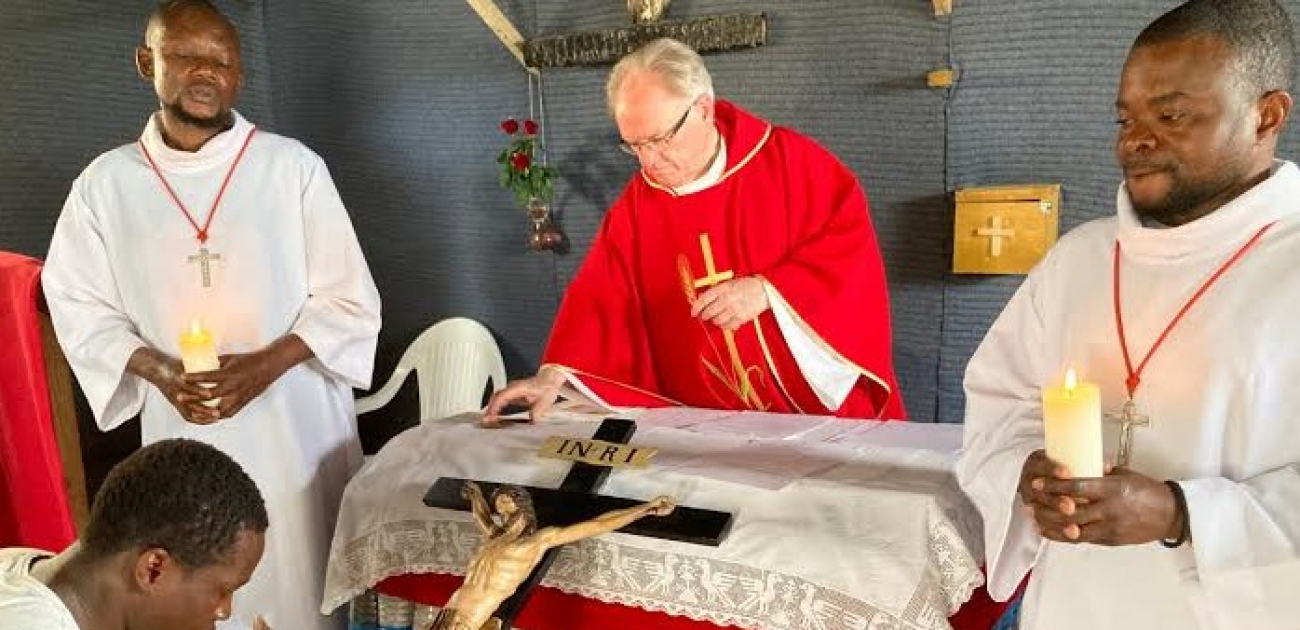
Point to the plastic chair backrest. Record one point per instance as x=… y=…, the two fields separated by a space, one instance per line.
x=453 y=361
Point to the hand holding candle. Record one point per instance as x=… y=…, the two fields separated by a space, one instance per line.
x=199 y=353
x=1072 y=426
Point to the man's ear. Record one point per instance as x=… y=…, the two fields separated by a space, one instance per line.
x=1274 y=110
x=144 y=62
x=707 y=103
x=151 y=566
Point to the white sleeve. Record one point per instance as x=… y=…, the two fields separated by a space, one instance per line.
x=340 y=321
x=33 y=613
x=830 y=378
x=1003 y=426
x=1246 y=547
x=89 y=319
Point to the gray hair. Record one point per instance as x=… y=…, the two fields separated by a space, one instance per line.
x=680 y=67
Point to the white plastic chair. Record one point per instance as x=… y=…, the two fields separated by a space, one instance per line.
x=453 y=360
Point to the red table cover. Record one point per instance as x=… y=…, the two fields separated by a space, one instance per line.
x=34 y=509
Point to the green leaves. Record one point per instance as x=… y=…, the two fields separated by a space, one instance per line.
x=521 y=173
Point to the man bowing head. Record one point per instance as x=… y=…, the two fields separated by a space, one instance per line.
x=738 y=269
x=1187 y=337
x=207 y=277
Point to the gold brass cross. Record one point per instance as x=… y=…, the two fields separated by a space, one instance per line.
x=995 y=232
x=739 y=382
x=713 y=277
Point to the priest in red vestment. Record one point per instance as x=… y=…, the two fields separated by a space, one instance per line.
x=738 y=269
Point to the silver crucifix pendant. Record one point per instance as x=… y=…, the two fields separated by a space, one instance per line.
x=205 y=260
x=1128 y=418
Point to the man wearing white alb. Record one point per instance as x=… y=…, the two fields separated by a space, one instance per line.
x=207 y=220
x=1181 y=306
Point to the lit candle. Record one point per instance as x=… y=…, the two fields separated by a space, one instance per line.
x=199 y=353
x=198 y=350
x=1072 y=426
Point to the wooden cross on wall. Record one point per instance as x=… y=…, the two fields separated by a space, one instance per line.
x=713 y=33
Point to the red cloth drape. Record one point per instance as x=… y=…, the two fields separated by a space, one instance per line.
x=34 y=510
x=549 y=609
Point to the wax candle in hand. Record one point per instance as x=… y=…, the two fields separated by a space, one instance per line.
x=199 y=353
x=1072 y=426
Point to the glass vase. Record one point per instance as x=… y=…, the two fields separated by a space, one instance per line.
x=544 y=235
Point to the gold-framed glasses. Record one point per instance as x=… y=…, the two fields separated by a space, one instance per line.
x=660 y=142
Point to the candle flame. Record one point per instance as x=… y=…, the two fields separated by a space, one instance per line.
x=1071 y=379
x=195 y=327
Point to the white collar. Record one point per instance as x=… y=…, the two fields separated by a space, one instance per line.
x=1210 y=236
x=218 y=151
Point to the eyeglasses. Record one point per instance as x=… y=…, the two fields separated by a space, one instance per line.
x=661 y=142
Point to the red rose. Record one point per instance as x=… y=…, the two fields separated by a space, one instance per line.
x=510 y=126
x=520 y=161
x=530 y=127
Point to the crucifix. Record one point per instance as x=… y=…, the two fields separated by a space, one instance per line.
x=742 y=386
x=995 y=232
x=576 y=501
x=712 y=277
x=1128 y=417
x=205 y=259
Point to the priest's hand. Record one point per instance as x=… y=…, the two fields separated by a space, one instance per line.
x=1122 y=508
x=733 y=303
x=243 y=377
x=537 y=392
x=182 y=390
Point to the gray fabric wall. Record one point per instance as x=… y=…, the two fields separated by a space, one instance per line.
x=402 y=98
x=69 y=91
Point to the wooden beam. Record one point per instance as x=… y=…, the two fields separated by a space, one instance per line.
x=491 y=14
x=66 y=430
x=713 y=33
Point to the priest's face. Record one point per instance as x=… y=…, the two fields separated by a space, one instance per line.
x=192 y=58
x=195 y=598
x=672 y=136
x=1188 y=140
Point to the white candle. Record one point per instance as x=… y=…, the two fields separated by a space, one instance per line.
x=198 y=350
x=1072 y=426
x=199 y=353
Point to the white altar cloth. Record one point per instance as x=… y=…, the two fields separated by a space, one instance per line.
x=862 y=533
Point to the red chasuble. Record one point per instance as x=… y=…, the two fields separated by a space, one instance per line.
x=786 y=210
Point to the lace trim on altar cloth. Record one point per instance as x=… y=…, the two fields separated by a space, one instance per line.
x=703 y=589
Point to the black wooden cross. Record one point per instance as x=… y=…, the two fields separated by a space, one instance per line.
x=575 y=501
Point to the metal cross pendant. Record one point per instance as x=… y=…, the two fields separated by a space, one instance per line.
x=205 y=260
x=1128 y=418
